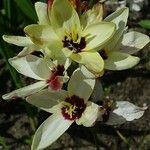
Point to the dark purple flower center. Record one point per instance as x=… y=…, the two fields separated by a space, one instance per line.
x=59 y=71
x=73 y=107
x=75 y=46
x=103 y=54
x=54 y=81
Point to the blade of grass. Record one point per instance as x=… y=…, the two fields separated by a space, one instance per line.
x=27 y=8
x=145 y=24
x=32 y=113
x=16 y=79
x=3 y=143
x=6 y=56
x=7 y=7
x=8 y=20
x=122 y=137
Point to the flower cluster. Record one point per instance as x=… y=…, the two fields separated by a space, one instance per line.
x=76 y=48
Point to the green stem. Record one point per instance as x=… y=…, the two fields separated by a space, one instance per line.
x=122 y=137
x=31 y=115
x=91 y=3
x=32 y=123
x=13 y=73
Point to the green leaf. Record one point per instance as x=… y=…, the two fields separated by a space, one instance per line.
x=28 y=140
x=6 y=54
x=27 y=8
x=7 y=7
x=145 y=24
x=3 y=143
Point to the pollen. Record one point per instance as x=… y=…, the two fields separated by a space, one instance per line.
x=73 y=107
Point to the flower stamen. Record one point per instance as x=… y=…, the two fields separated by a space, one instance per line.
x=73 y=107
x=74 y=45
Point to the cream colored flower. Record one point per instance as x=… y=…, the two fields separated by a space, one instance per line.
x=25 y=41
x=67 y=36
x=124 y=111
x=49 y=74
x=66 y=107
x=117 y=52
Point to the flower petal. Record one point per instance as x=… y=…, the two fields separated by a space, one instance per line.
x=98 y=34
x=43 y=36
x=31 y=66
x=134 y=41
x=93 y=15
x=91 y=60
x=120 y=61
x=128 y=110
x=25 y=91
x=89 y=116
x=67 y=63
x=56 y=109
x=41 y=10
x=17 y=40
x=49 y=131
x=86 y=72
x=46 y=99
x=80 y=86
x=67 y=53
x=66 y=20
x=119 y=17
x=98 y=92
x=28 y=50
x=114 y=119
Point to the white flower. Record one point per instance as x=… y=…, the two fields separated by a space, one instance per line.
x=50 y=74
x=121 y=112
x=66 y=107
x=117 y=52
x=128 y=110
x=67 y=36
x=93 y=15
x=25 y=41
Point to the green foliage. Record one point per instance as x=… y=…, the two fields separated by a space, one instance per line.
x=3 y=143
x=4 y=51
x=27 y=8
x=145 y=24
x=14 y=16
x=28 y=140
x=92 y=2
